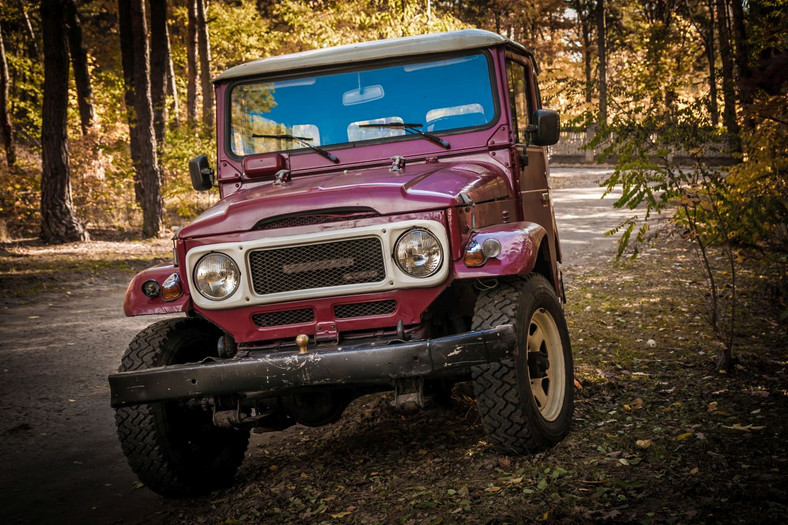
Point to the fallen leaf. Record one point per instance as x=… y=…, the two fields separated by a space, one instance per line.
x=712 y=406
x=492 y=489
x=643 y=443
x=684 y=436
x=739 y=426
x=694 y=471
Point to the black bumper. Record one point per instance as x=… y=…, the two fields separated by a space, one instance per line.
x=277 y=373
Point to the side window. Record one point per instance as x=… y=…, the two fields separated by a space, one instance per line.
x=517 y=76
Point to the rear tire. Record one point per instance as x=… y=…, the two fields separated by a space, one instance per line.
x=525 y=403
x=174 y=447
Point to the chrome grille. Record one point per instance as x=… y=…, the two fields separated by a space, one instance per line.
x=346 y=311
x=286 y=317
x=320 y=265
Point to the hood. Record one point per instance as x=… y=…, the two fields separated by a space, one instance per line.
x=416 y=188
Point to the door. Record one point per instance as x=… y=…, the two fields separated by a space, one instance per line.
x=532 y=160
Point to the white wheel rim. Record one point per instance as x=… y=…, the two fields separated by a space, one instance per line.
x=545 y=350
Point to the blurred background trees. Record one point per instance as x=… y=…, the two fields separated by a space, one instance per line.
x=655 y=77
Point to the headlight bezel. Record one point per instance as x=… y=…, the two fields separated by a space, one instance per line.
x=404 y=238
x=199 y=285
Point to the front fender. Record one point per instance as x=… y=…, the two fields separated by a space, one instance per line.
x=519 y=249
x=137 y=303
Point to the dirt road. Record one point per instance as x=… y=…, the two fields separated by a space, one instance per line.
x=60 y=456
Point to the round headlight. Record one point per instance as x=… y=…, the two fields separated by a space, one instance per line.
x=418 y=253
x=216 y=276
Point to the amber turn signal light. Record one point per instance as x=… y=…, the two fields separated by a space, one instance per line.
x=474 y=256
x=171 y=288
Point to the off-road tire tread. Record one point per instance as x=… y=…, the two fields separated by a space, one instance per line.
x=147 y=449
x=495 y=384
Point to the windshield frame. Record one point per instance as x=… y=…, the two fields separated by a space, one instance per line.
x=361 y=67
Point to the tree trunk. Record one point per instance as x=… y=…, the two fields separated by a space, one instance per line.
x=58 y=221
x=191 y=63
x=740 y=38
x=587 y=57
x=32 y=39
x=127 y=61
x=582 y=9
x=746 y=91
x=143 y=138
x=728 y=82
x=601 y=29
x=6 y=128
x=79 y=61
x=711 y=56
x=159 y=60
x=172 y=89
x=205 y=64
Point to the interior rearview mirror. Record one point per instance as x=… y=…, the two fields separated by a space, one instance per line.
x=546 y=126
x=201 y=173
x=362 y=95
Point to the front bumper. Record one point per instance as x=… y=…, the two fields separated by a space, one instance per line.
x=275 y=374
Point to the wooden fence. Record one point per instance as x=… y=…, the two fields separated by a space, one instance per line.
x=571 y=149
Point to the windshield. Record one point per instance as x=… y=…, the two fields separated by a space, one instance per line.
x=438 y=96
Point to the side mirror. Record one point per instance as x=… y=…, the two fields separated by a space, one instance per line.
x=546 y=126
x=201 y=173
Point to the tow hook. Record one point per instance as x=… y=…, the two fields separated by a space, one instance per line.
x=302 y=341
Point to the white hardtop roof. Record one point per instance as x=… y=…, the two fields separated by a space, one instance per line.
x=367 y=51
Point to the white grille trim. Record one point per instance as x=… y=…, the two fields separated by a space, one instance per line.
x=387 y=233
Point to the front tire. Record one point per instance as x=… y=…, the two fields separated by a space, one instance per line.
x=525 y=403
x=174 y=447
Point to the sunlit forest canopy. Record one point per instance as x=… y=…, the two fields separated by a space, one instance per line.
x=716 y=65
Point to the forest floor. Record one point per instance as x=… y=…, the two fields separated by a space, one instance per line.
x=659 y=435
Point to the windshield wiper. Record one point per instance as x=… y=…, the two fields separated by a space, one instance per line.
x=301 y=140
x=410 y=128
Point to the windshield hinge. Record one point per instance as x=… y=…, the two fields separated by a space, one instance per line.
x=282 y=177
x=397 y=163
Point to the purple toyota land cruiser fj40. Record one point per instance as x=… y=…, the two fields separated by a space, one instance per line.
x=385 y=223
